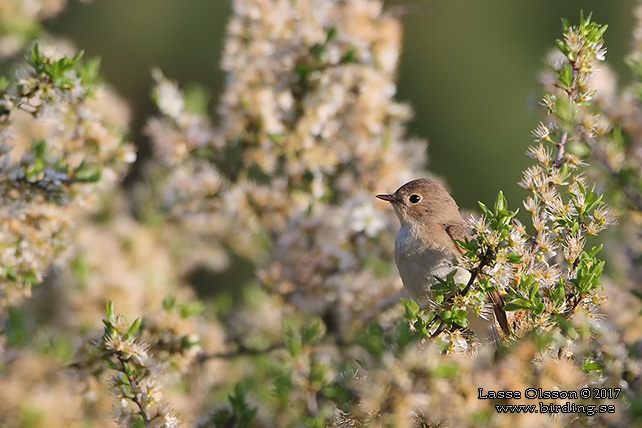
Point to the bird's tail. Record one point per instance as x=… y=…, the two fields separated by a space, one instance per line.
x=498 y=307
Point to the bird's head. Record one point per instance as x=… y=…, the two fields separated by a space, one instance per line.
x=422 y=201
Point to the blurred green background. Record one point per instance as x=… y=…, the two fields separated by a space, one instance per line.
x=469 y=69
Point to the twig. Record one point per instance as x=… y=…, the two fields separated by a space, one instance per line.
x=242 y=351
x=49 y=188
x=483 y=262
x=442 y=326
x=561 y=150
x=136 y=396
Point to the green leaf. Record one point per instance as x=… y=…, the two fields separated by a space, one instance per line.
x=139 y=422
x=192 y=309
x=459 y=317
x=90 y=177
x=468 y=245
x=350 y=56
x=595 y=250
x=89 y=73
x=483 y=208
x=585 y=22
x=303 y=70
x=313 y=333
x=39 y=149
x=10 y=274
x=486 y=286
x=317 y=52
x=243 y=412
x=525 y=281
x=331 y=34
x=517 y=301
x=566 y=110
x=565 y=76
x=283 y=384
x=187 y=342
x=517 y=305
x=442 y=288
x=76 y=57
x=445 y=286
x=36 y=58
x=593 y=200
x=110 y=309
x=133 y=329
x=411 y=307
x=127 y=373
x=565 y=25
x=169 y=303
x=514 y=257
x=562 y=46
x=372 y=339
x=317 y=376
x=538 y=308
x=500 y=202
x=559 y=292
x=589 y=365
x=406 y=336
x=293 y=341
x=567 y=327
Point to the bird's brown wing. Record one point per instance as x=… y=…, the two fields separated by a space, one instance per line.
x=498 y=307
x=457 y=232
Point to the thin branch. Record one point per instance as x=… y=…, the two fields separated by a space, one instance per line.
x=135 y=389
x=485 y=260
x=442 y=326
x=561 y=150
x=242 y=351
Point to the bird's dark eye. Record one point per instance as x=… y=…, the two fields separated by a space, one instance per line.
x=414 y=198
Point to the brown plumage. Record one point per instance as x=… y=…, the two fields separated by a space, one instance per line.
x=426 y=243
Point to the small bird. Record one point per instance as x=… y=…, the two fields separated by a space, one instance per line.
x=426 y=248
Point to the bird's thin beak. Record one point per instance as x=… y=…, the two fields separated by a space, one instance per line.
x=390 y=197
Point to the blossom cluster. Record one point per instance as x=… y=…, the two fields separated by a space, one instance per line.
x=420 y=386
x=58 y=148
x=549 y=273
x=136 y=379
x=308 y=134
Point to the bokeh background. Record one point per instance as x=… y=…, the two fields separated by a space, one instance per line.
x=241 y=271
x=468 y=68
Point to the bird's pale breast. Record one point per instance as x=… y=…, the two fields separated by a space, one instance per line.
x=419 y=265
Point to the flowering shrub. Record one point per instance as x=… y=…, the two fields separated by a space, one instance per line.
x=283 y=184
x=57 y=150
x=20 y=22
